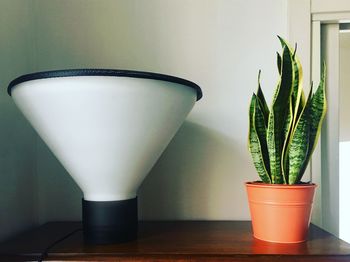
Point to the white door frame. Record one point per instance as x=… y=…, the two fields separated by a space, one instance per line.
x=314 y=24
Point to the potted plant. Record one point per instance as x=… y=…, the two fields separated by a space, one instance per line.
x=281 y=142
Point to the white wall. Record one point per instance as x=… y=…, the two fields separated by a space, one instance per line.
x=18 y=187
x=218 y=44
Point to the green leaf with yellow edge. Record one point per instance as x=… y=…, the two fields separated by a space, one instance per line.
x=257 y=140
x=262 y=101
x=278 y=115
x=294 y=105
x=318 y=112
x=297 y=88
x=299 y=144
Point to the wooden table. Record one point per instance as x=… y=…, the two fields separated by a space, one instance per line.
x=169 y=241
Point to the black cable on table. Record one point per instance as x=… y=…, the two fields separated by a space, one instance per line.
x=44 y=254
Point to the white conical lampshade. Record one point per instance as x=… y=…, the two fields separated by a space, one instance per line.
x=106 y=127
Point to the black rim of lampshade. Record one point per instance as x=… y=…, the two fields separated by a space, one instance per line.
x=104 y=72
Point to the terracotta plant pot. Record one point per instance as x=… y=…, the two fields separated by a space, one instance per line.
x=280 y=213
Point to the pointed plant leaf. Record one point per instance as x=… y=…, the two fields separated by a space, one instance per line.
x=278 y=115
x=299 y=144
x=318 y=112
x=295 y=50
x=286 y=147
x=301 y=104
x=256 y=122
x=294 y=107
x=297 y=86
x=262 y=101
x=284 y=44
x=282 y=41
x=260 y=128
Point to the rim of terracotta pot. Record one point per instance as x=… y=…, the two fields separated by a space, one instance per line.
x=261 y=184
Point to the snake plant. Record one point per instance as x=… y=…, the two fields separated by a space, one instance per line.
x=283 y=138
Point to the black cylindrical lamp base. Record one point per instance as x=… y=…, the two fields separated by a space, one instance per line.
x=107 y=222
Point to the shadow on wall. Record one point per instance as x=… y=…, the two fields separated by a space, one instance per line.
x=18 y=187
x=60 y=197
x=195 y=177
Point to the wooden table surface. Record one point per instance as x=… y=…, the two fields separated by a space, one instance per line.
x=169 y=241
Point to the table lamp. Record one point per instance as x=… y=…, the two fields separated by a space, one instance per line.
x=107 y=128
